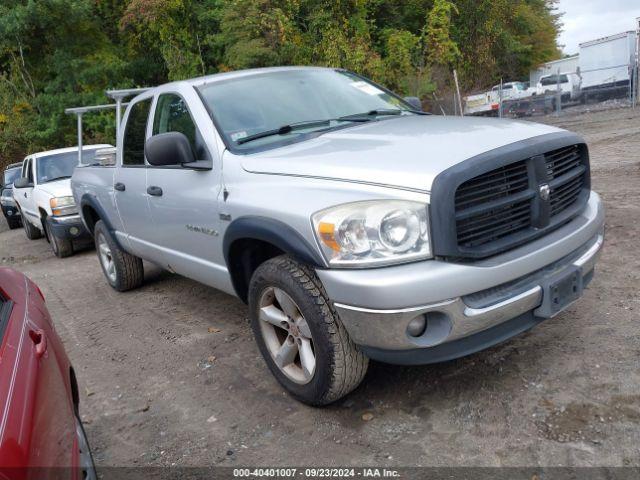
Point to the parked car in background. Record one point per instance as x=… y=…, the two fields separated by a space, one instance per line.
x=569 y=84
x=488 y=103
x=44 y=199
x=511 y=90
x=8 y=204
x=41 y=434
x=353 y=226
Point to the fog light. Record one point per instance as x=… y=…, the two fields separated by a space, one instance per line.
x=74 y=231
x=417 y=326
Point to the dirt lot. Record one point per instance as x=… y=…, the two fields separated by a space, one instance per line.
x=170 y=374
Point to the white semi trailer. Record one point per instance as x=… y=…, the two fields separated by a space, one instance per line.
x=608 y=62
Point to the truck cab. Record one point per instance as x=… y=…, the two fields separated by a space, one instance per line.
x=568 y=83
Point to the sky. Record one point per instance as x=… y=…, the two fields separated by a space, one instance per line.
x=586 y=20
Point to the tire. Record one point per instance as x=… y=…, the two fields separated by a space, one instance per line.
x=33 y=233
x=14 y=223
x=62 y=247
x=122 y=270
x=338 y=364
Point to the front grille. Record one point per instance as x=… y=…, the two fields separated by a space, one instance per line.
x=484 y=206
x=499 y=183
x=509 y=205
x=567 y=163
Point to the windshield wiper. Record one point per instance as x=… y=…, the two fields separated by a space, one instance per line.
x=57 y=178
x=371 y=114
x=381 y=112
x=284 y=129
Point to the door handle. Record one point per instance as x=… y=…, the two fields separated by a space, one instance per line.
x=155 y=191
x=120 y=187
x=40 y=341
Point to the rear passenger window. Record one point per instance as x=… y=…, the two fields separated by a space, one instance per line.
x=135 y=133
x=172 y=115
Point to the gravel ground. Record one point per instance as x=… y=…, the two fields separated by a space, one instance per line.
x=169 y=374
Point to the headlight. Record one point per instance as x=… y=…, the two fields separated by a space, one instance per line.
x=61 y=206
x=379 y=232
x=7 y=200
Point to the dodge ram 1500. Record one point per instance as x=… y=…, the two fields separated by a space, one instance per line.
x=355 y=226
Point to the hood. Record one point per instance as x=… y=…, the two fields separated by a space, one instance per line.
x=59 y=188
x=406 y=152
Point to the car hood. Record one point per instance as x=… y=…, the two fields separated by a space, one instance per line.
x=406 y=152
x=58 y=188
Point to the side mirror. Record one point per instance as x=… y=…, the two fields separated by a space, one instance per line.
x=171 y=148
x=23 y=182
x=415 y=103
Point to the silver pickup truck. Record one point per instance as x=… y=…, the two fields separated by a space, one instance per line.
x=354 y=225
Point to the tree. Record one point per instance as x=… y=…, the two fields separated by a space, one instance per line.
x=442 y=50
x=56 y=54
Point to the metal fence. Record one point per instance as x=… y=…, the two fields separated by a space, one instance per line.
x=553 y=94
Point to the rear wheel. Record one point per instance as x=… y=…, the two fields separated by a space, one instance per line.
x=62 y=247
x=300 y=335
x=33 y=233
x=122 y=270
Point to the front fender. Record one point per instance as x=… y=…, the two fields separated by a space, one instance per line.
x=274 y=232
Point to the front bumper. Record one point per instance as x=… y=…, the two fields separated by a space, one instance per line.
x=467 y=307
x=10 y=210
x=69 y=227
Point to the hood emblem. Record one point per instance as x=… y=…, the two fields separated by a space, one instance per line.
x=545 y=192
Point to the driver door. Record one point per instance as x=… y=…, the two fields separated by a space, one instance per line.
x=24 y=196
x=184 y=202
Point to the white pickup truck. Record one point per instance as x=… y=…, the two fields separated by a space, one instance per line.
x=44 y=199
x=353 y=225
x=488 y=103
x=569 y=85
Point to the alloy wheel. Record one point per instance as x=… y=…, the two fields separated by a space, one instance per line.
x=287 y=335
x=106 y=258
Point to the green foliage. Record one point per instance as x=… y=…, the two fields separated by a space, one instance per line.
x=441 y=49
x=56 y=54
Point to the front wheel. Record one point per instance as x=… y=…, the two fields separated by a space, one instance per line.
x=62 y=247
x=122 y=270
x=14 y=223
x=300 y=335
x=32 y=233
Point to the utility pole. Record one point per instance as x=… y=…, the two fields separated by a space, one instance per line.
x=500 y=113
x=558 y=93
x=455 y=79
x=636 y=66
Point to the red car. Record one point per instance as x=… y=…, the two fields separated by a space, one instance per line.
x=41 y=435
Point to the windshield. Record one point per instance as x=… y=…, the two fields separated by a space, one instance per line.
x=553 y=80
x=11 y=176
x=56 y=167
x=246 y=107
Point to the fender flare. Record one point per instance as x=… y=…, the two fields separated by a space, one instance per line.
x=274 y=232
x=90 y=200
